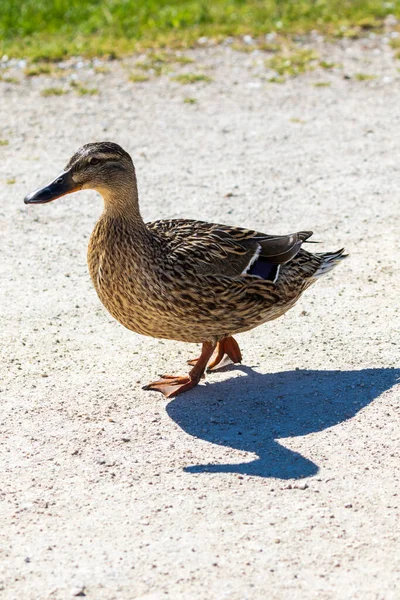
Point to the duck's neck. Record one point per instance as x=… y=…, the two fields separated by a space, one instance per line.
x=122 y=202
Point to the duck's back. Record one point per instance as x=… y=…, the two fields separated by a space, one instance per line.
x=215 y=249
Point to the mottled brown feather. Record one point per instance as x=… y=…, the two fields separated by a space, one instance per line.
x=181 y=279
x=187 y=286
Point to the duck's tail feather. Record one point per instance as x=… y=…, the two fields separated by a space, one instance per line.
x=329 y=260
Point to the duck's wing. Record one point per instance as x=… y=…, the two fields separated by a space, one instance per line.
x=208 y=248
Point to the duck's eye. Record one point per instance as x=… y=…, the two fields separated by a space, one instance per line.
x=93 y=161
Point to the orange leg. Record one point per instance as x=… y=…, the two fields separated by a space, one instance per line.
x=169 y=385
x=228 y=346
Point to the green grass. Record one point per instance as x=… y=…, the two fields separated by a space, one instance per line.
x=53 y=91
x=38 y=69
x=259 y=44
x=395 y=43
x=188 y=78
x=138 y=77
x=101 y=70
x=277 y=79
x=82 y=90
x=85 y=91
x=324 y=64
x=4 y=142
x=322 y=84
x=160 y=63
x=364 y=77
x=54 y=29
x=8 y=79
x=190 y=100
x=292 y=63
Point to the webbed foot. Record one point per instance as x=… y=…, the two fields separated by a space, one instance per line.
x=172 y=385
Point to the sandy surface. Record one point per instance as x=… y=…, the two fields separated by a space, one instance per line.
x=277 y=479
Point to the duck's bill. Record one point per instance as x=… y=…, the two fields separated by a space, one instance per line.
x=61 y=185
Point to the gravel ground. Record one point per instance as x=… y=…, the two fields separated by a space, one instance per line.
x=275 y=479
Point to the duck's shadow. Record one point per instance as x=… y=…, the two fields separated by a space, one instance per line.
x=250 y=413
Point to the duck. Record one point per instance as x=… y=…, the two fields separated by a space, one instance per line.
x=183 y=279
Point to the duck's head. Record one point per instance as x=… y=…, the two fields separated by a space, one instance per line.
x=101 y=166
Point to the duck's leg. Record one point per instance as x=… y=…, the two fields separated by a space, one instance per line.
x=228 y=346
x=169 y=385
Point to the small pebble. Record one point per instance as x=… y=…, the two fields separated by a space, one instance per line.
x=78 y=591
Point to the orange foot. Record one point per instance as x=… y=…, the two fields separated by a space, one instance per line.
x=171 y=385
x=228 y=346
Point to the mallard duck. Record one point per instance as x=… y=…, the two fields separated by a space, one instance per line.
x=182 y=279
